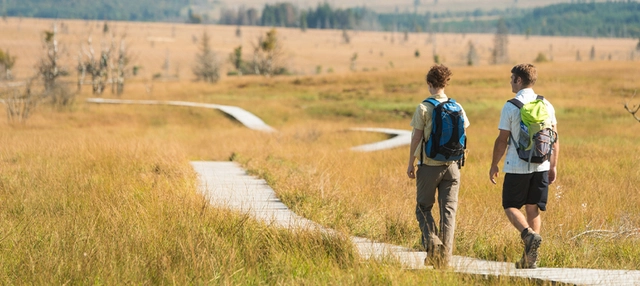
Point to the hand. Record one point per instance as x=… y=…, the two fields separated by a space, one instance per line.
x=411 y=171
x=552 y=175
x=493 y=174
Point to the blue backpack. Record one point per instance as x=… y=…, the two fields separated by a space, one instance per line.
x=448 y=140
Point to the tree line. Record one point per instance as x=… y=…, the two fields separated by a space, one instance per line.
x=122 y=10
x=603 y=19
x=578 y=18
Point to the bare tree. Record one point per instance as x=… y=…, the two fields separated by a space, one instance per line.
x=633 y=109
x=500 y=44
x=82 y=71
x=472 y=55
x=166 y=66
x=49 y=67
x=97 y=67
x=20 y=103
x=7 y=61
x=207 y=67
x=123 y=59
x=352 y=62
x=345 y=37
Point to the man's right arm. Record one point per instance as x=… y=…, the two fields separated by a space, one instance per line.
x=416 y=139
x=499 y=148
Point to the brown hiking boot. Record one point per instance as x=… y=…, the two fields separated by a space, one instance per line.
x=529 y=258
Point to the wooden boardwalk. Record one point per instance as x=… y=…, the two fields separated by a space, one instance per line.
x=226 y=184
x=398 y=138
x=248 y=119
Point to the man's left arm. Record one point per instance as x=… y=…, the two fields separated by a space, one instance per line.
x=553 y=171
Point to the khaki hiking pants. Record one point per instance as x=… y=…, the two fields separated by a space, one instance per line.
x=446 y=180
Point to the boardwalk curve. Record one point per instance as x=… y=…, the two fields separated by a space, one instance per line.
x=248 y=119
x=400 y=138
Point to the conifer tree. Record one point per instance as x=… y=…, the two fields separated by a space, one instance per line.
x=207 y=67
x=500 y=44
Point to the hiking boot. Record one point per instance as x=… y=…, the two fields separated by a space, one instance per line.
x=442 y=259
x=529 y=258
x=436 y=256
x=523 y=263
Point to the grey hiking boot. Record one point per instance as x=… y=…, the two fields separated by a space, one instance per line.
x=522 y=263
x=529 y=258
x=436 y=255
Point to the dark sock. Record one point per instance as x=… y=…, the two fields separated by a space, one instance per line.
x=524 y=233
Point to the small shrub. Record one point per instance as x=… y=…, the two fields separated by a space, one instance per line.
x=19 y=104
x=541 y=58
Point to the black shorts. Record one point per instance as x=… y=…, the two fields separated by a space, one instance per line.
x=525 y=189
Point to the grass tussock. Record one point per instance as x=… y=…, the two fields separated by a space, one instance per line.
x=105 y=194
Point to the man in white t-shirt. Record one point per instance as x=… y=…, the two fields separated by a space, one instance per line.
x=525 y=184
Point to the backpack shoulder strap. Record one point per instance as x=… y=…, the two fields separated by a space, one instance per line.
x=433 y=101
x=540 y=97
x=515 y=102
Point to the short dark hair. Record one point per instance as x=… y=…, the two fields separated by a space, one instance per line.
x=439 y=76
x=526 y=72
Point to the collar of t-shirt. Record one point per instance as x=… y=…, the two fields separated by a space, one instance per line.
x=526 y=95
x=439 y=97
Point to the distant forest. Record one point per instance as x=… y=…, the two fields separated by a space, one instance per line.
x=579 y=18
x=125 y=10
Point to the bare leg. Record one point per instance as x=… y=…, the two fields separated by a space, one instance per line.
x=533 y=217
x=516 y=218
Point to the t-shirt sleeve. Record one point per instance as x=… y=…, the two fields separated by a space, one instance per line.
x=505 y=118
x=465 y=118
x=552 y=112
x=417 y=122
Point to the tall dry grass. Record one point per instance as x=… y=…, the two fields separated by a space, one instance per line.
x=105 y=194
x=368 y=195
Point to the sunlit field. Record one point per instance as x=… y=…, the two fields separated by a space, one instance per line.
x=153 y=45
x=104 y=194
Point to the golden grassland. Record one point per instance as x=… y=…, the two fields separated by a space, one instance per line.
x=151 y=45
x=105 y=194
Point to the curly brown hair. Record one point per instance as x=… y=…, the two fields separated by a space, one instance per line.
x=439 y=76
x=527 y=72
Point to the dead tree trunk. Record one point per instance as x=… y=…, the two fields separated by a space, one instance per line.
x=633 y=109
